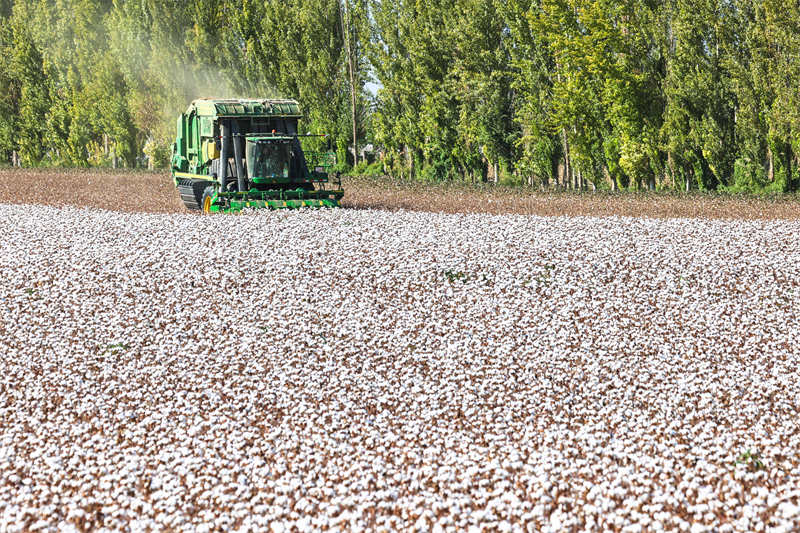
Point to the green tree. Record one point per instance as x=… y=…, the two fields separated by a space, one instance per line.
x=445 y=105
x=776 y=51
x=532 y=77
x=698 y=128
x=482 y=83
x=605 y=99
x=9 y=95
x=396 y=118
x=30 y=85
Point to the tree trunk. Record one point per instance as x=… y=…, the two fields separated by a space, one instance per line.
x=794 y=159
x=14 y=159
x=555 y=165
x=567 y=165
x=346 y=32
x=770 y=165
x=671 y=167
x=607 y=176
x=560 y=175
x=788 y=186
x=409 y=162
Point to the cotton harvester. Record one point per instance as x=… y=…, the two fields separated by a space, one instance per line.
x=236 y=154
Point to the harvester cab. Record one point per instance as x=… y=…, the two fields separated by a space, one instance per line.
x=231 y=155
x=269 y=159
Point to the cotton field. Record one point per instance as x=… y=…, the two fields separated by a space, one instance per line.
x=381 y=370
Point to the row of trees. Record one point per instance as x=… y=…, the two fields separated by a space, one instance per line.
x=592 y=93
x=565 y=93
x=101 y=82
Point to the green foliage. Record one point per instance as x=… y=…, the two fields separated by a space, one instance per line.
x=33 y=104
x=443 y=107
x=87 y=82
x=599 y=94
x=9 y=96
x=751 y=460
x=748 y=175
x=365 y=168
x=114 y=349
x=455 y=275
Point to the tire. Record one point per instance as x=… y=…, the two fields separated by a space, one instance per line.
x=208 y=195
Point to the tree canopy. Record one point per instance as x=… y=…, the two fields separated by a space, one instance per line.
x=611 y=94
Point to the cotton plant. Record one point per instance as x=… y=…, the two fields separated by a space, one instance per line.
x=412 y=371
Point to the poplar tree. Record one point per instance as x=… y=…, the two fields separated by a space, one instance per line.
x=551 y=93
x=698 y=129
x=30 y=83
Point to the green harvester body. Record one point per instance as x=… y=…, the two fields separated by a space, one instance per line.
x=236 y=154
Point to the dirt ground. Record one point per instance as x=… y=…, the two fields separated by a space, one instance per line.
x=137 y=191
x=106 y=189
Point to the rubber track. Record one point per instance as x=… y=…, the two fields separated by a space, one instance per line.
x=192 y=192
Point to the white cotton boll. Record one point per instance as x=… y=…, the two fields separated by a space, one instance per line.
x=277 y=527
x=789 y=510
x=566 y=369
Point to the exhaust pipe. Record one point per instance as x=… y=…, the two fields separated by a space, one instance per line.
x=224 y=133
x=237 y=154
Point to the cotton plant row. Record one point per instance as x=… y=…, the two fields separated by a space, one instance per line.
x=392 y=370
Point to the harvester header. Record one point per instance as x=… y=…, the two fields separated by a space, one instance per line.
x=232 y=154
